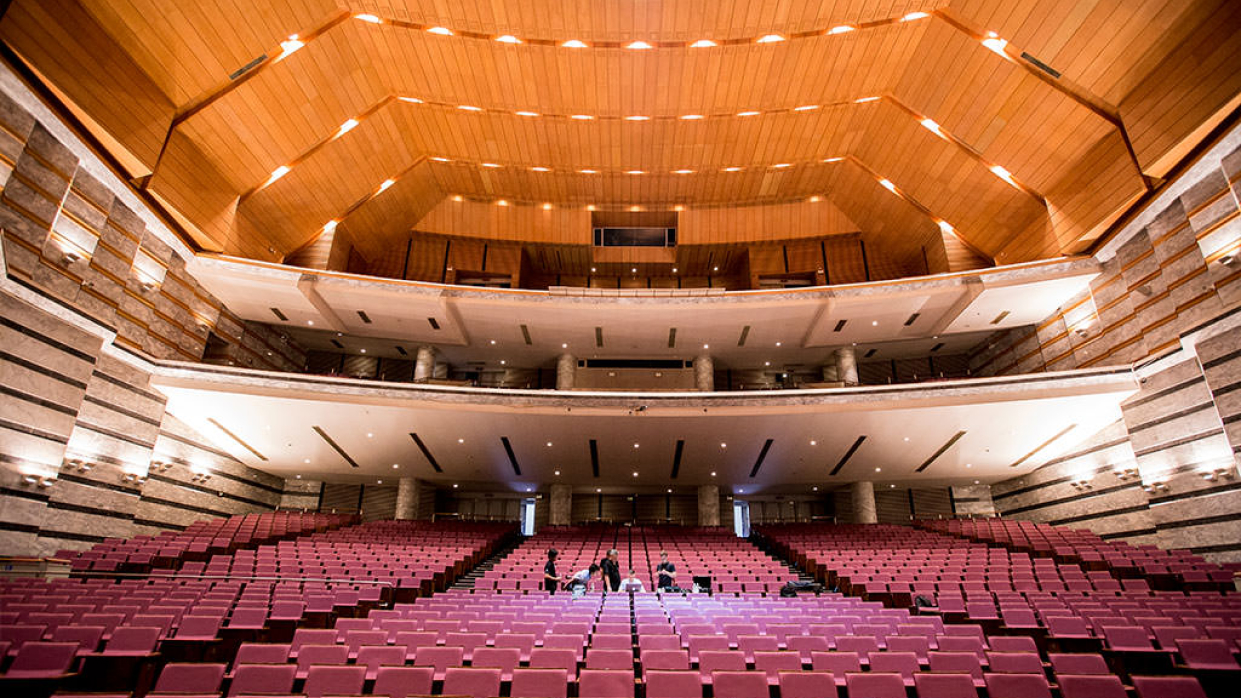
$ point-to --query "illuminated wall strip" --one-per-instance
(638, 118)
(573, 43)
(626, 171)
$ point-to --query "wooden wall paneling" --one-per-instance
(762, 222)
(465, 255)
(519, 223)
(844, 261)
(385, 221)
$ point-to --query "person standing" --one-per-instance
(551, 580)
(667, 572)
(611, 570)
(582, 582)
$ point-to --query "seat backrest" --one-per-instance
(836, 663)
(439, 657)
(710, 661)
(609, 659)
(321, 654)
(658, 642)
(875, 685)
(1078, 664)
(261, 653)
(772, 663)
(1168, 687)
(665, 660)
(1126, 637)
(190, 678)
(903, 663)
(1206, 653)
(87, 636)
(373, 656)
(129, 639)
(610, 642)
(1014, 663)
(1012, 643)
(605, 683)
(739, 684)
(864, 645)
(311, 636)
(956, 663)
(1031, 685)
(807, 684)
(326, 680)
(45, 658)
(476, 682)
(253, 679)
(673, 684)
(538, 683)
(1092, 686)
(503, 658)
(400, 682)
(945, 685)
(551, 658)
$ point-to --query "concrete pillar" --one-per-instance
(407, 498)
(424, 364)
(830, 373)
(561, 506)
(708, 505)
(846, 366)
(566, 372)
(864, 511)
(704, 374)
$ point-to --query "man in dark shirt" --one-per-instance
(667, 572)
(551, 580)
(611, 570)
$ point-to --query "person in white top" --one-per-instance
(632, 583)
(583, 581)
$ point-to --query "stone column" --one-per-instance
(407, 498)
(708, 505)
(830, 372)
(566, 372)
(846, 366)
(561, 506)
(424, 364)
(704, 375)
(864, 503)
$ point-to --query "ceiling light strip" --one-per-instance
(628, 171)
(676, 459)
(1043, 445)
(642, 44)
(762, 455)
(848, 454)
(236, 438)
(512, 457)
(936, 128)
(594, 458)
(426, 452)
(335, 446)
(942, 450)
(632, 118)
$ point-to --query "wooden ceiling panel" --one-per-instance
(189, 48)
(627, 20)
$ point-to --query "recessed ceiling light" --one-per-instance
(502, 362)
(635, 473)
(887, 184)
(310, 322)
(930, 125)
(557, 472)
(638, 45)
(878, 470)
(469, 107)
(491, 165)
(347, 126)
(588, 171)
(564, 345)
(363, 351)
(976, 482)
(396, 466)
(816, 489)
(906, 438)
(458, 198)
(712, 473)
(379, 482)
(598, 489)
(634, 172)
(874, 323)
(1003, 174)
(454, 485)
(692, 117)
(493, 341)
(946, 227)
(780, 165)
(549, 444)
(748, 113)
(306, 460)
(832, 159)
(914, 15)
(766, 363)
(278, 173)
(706, 346)
(547, 207)
(383, 186)
(779, 343)
(574, 43)
(841, 29)
(460, 441)
(864, 100)
(723, 445)
(734, 168)
(637, 117)
(411, 100)
(501, 202)
(440, 159)
(892, 486)
(299, 477)
(508, 39)
(368, 18)
(702, 43)
(633, 270)
(715, 268)
(682, 172)
(806, 107)
(441, 31)
(995, 43)
(769, 39)
(592, 269)
(636, 445)
(969, 465)
(814, 199)
(582, 117)
(669, 490)
(814, 443)
(674, 270)
(540, 168)
(330, 226)
(527, 113)
(590, 207)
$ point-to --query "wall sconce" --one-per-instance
(79, 465)
(162, 465)
(71, 251)
(136, 478)
(1081, 482)
(40, 481)
(1158, 485)
(1127, 473)
(1227, 472)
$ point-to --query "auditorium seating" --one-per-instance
(486, 642)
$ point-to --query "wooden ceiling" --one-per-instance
(1138, 82)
